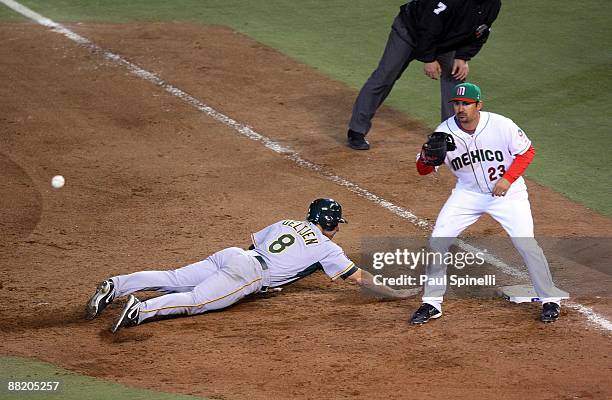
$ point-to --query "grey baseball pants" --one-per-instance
(215, 283)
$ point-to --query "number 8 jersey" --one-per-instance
(295, 249)
(482, 157)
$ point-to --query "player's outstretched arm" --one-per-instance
(366, 281)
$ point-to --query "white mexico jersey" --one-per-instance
(295, 249)
(481, 158)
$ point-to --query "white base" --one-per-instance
(521, 294)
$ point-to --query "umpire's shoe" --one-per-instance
(424, 314)
(129, 315)
(357, 140)
(102, 297)
(550, 312)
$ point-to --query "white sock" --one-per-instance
(434, 301)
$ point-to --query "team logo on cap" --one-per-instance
(461, 91)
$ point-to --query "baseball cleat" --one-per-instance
(424, 314)
(129, 315)
(102, 297)
(550, 312)
(357, 141)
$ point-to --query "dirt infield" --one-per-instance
(154, 184)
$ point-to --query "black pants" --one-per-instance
(397, 56)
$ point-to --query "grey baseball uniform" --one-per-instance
(283, 253)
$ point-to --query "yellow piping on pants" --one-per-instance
(202, 304)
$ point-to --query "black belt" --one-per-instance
(264, 266)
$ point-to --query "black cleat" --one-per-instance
(357, 141)
(424, 314)
(102, 297)
(129, 315)
(550, 312)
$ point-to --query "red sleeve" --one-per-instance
(519, 165)
(423, 168)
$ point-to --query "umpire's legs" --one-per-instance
(394, 61)
(447, 83)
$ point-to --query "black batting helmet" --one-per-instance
(325, 212)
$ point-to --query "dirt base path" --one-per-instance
(154, 184)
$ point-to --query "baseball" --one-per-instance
(57, 181)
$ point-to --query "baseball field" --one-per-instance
(183, 126)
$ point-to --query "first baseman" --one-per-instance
(281, 253)
(488, 153)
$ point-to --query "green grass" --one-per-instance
(8, 15)
(547, 66)
(72, 386)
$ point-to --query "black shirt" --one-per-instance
(440, 26)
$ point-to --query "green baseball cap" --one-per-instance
(466, 92)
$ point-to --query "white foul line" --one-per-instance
(245, 130)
